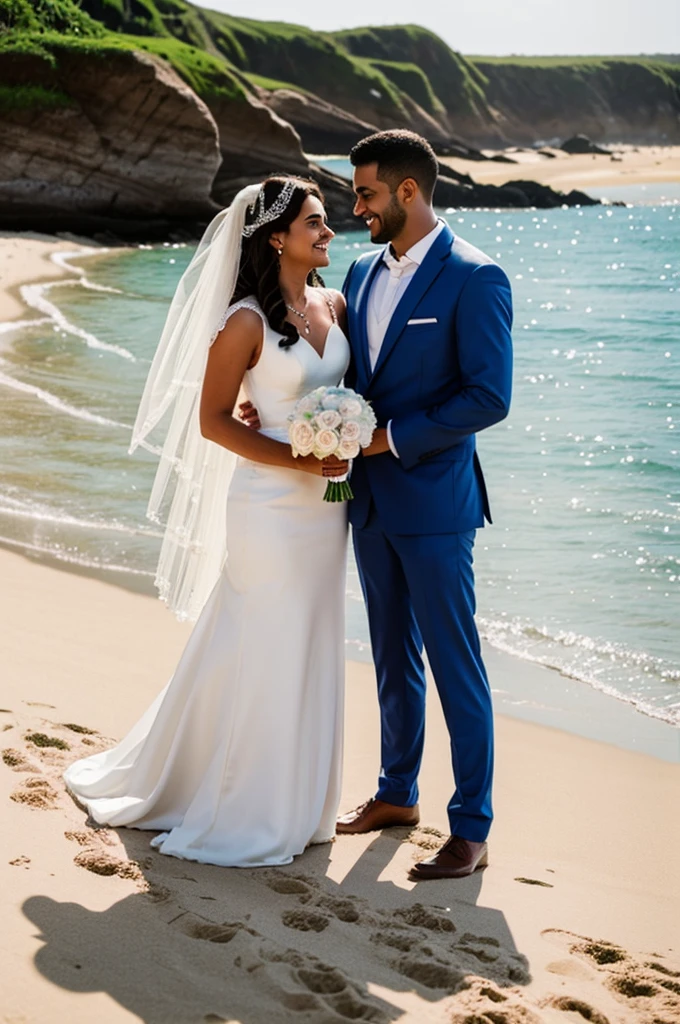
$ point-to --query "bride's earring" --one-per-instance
(279, 254)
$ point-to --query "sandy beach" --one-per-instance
(575, 919)
(27, 257)
(627, 165)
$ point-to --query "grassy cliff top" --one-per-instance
(456, 83)
(48, 30)
(368, 71)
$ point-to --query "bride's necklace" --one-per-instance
(303, 316)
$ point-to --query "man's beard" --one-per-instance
(392, 221)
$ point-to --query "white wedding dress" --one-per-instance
(238, 761)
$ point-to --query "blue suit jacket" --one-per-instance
(439, 383)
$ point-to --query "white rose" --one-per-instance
(329, 418)
(325, 443)
(302, 437)
(350, 407)
(306, 404)
(351, 431)
(330, 402)
(366, 436)
(348, 449)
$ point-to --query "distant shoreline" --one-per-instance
(627, 165)
(624, 165)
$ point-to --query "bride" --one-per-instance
(237, 762)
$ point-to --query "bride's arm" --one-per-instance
(235, 350)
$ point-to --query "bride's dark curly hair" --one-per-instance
(259, 267)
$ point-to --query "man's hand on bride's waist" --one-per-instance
(249, 415)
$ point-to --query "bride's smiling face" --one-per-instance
(307, 238)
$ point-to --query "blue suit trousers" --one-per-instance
(419, 589)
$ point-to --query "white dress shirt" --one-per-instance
(389, 284)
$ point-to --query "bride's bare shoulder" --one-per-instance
(244, 317)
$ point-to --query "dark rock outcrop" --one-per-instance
(254, 142)
(128, 140)
(322, 127)
(582, 144)
(513, 194)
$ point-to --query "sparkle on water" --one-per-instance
(581, 570)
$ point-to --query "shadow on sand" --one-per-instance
(269, 945)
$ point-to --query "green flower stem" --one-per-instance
(338, 491)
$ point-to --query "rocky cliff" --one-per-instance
(609, 100)
(140, 114)
(123, 137)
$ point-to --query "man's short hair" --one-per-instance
(399, 154)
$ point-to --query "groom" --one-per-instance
(429, 321)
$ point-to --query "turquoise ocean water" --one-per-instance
(581, 570)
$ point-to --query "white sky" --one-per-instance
(494, 26)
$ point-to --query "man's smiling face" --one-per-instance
(379, 208)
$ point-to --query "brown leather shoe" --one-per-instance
(457, 858)
(374, 815)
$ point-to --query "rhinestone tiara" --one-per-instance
(274, 211)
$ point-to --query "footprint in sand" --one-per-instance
(305, 920)
(425, 837)
(501, 964)
(344, 909)
(430, 973)
(36, 793)
(207, 931)
(646, 986)
(43, 741)
(101, 863)
(287, 885)
(306, 890)
(82, 838)
(482, 1003)
(82, 729)
(571, 1006)
(303, 984)
(430, 918)
(15, 760)
(101, 833)
(404, 941)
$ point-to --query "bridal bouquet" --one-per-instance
(332, 421)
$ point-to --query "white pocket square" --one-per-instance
(423, 320)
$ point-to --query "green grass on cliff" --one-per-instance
(46, 15)
(300, 57)
(272, 84)
(413, 81)
(207, 76)
(366, 71)
(559, 84)
(31, 97)
(664, 68)
(456, 83)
